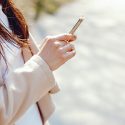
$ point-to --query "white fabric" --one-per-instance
(14, 59)
(3, 18)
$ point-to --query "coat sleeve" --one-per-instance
(35, 49)
(25, 86)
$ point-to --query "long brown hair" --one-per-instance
(17, 23)
(20, 34)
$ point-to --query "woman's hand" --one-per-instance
(56, 51)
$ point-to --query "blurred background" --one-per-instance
(93, 83)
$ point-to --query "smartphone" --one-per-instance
(75, 27)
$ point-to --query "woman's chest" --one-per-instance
(15, 60)
(12, 58)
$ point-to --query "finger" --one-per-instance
(59, 44)
(67, 48)
(69, 55)
(65, 37)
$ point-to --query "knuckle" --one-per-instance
(60, 50)
(48, 38)
(57, 44)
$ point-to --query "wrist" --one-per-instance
(45, 60)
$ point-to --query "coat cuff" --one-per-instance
(44, 66)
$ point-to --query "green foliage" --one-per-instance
(47, 6)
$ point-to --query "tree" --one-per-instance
(34, 8)
(48, 6)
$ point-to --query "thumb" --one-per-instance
(65, 37)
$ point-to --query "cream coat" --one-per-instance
(33, 82)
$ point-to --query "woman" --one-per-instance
(26, 78)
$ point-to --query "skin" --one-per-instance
(56, 51)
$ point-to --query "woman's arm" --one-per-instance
(24, 86)
(35, 48)
(29, 83)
